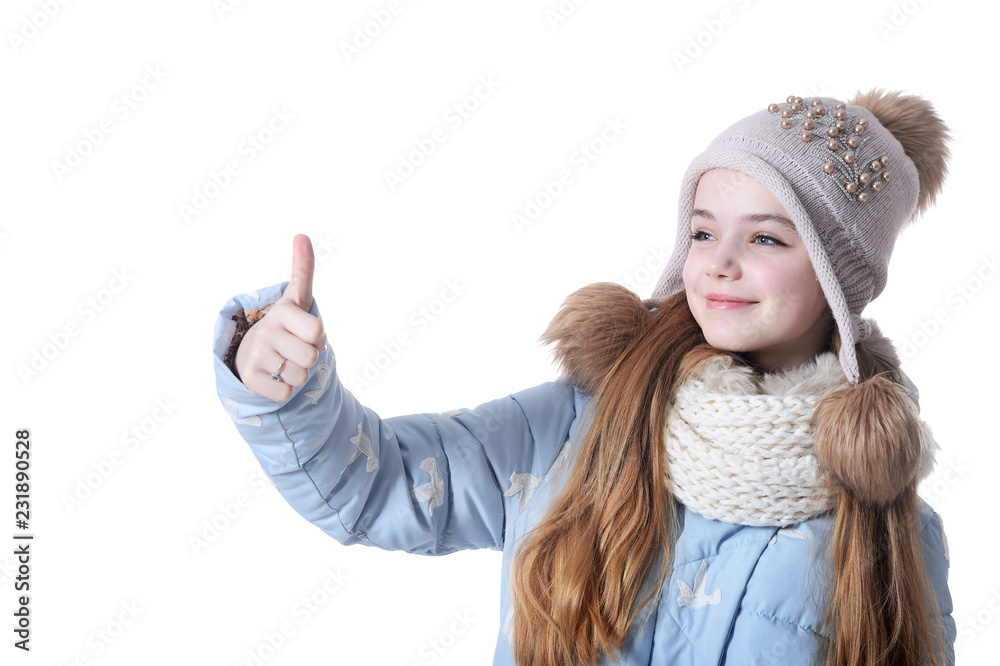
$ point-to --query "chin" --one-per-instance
(731, 343)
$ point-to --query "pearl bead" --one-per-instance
(886, 176)
(799, 100)
(786, 123)
(875, 166)
(817, 102)
(829, 167)
(841, 125)
(811, 113)
(796, 106)
(859, 129)
(840, 106)
(806, 136)
(863, 122)
(852, 141)
(849, 158)
(790, 99)
(808, 124)
(832, 131)
(850, 187)
(840, 114)
(832, 144)
(821, 110)
(862, 197)
(884, 160)
(773, 108)
(877, 185)
(786, 113)
(865, 178)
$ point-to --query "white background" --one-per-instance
(63, 235)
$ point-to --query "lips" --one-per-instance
(726, 302)
(727, 298)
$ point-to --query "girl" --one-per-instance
(726, 472)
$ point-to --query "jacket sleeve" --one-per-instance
(423, 483)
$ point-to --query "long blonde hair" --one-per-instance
(578, 578)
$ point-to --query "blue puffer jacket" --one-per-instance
(481, 478)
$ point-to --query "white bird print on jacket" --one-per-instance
(364, 445)
(433, 490)
(697, 598)
(232, 408)
(325, 376)
(525, 484)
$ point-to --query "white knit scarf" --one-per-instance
(740, 447)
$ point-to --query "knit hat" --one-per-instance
(850, 175)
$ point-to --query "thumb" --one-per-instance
(299, 289)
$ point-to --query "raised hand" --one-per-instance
(286, 334)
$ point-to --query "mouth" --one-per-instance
(726, 302)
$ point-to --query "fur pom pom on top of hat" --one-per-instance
(592, 329)
(918, 128)
(868, 436)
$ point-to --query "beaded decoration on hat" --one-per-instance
(859, 176)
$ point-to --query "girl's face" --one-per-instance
(748, 277)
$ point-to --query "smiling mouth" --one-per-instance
(729, 300)
(726, 304)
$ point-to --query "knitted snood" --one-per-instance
(740, 448)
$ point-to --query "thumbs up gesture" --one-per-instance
(288, 339)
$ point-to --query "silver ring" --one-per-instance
(276, 375)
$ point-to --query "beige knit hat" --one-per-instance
(850, 175)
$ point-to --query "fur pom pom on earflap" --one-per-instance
(592, 329)
(868, 436)
(914, 123)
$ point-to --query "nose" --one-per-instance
(724, 260)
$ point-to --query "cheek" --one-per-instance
(690, 270)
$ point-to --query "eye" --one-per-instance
(699, 235)
(767, 240)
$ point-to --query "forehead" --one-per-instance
(727, 191)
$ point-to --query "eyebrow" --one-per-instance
(751, 217)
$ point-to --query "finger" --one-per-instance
(296, 352)
(291, 372)
(301, 324)
(299, 289)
